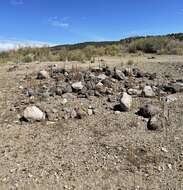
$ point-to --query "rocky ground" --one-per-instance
(114, 127)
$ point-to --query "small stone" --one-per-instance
(169, 166)
(90, 112)
(117, 112)
(90, 85)
(173, 87)
(111, 99)
(64, 101)
(30, 92)
(51, 114)
(21, 87)
(138, 73)
(126, 102)
(80, 114)
(73, 114)
(101, 77)
(100, 88)
(170, 98)
(134, 92)
(119, 75)
(154, 123)
(109, 72)
(69, 96)
(163, 149)
(148, 92)
(33, 113)
(58, 91)
(99, 85)
(77, 86)
(64, 87)
(42, 75)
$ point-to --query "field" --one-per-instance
(106, 149)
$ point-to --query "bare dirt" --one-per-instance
(101, 151)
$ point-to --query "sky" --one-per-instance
(51, 22)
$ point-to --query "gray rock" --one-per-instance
(91, 92)
(138, 73)
(90, 85)
(117, 112)
(33, 113)
(154, 123)
(108, 83)
(173, 87)
(109, 72)
(148, 92)
(171, 98)
(77, 86)
(58, 91)
(99, 85)
(65, 87)
(51, 114)
(111, 99)
(30, 92)
(128, 72)
(101, 77)
(100, 88)
(149, 110)
(134, 92)
(42, 75)
(69, 96)
(126, 102)
(90, 112)
(80, 114)
(73, 114)
(119, 75)
(64, 101)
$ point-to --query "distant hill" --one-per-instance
(173, 36)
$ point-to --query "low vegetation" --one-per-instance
(169, 44)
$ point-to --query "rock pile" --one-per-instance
(118, 86)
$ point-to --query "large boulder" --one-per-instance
(33, 113)
(42, 75)
(125, 102)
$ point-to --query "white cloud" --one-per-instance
(17, 2)
(56, 22)
(6, 45)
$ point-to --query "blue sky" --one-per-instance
(71, 21)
